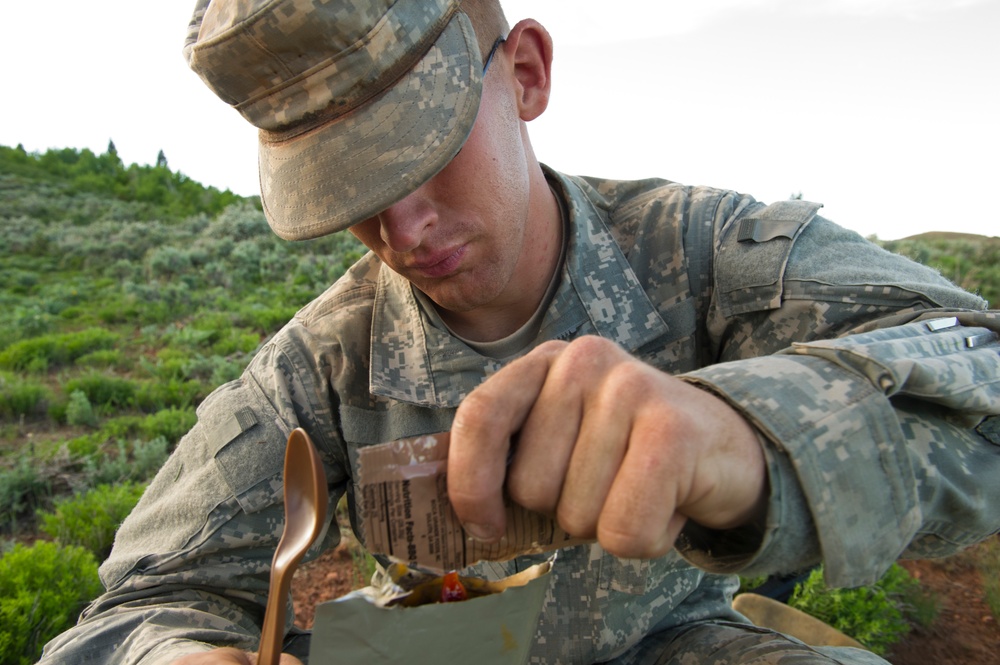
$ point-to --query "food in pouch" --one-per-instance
(402, 619)
(407, 586)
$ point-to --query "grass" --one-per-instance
(987, 557)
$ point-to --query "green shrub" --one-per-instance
(88, 445)
(105, 469)
(171, 363)
(158, 303)
(168, 262)
(79, 343)
(157, 395)
(57, 409)
(30, 354)
(171, 424)
(79, 410)
(121, 427)
(118, 313)
(139, 464)
(236, 341)
(873, 615)
(91, 519)
(102, 390)
(148, 457)
(112, 429)
(19, 281)
(39, 353)
(72, 313)
(213, 320)
(29, 320)
(21, 397)
(190, 337)
(22, 488)
(42, 590)
(266, 319)
(102, 358)
(196, 366)
(228, 369)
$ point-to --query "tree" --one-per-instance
(161, 160)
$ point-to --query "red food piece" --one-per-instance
(452, 589)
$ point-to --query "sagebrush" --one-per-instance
(43, 588)
(91, 518)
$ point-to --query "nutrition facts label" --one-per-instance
(405, 512)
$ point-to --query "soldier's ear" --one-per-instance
(529, 48)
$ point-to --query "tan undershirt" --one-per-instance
(513, 344)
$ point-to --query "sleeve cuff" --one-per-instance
(815, 416)
(784, 542)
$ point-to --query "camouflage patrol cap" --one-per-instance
(358, 102)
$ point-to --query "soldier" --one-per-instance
(702, 384)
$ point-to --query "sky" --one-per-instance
(885, 111)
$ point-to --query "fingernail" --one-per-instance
(480, 532)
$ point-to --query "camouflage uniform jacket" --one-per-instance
(871, 438)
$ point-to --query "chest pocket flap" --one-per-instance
(753, 254)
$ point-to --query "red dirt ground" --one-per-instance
(328, 577)
(964, 633)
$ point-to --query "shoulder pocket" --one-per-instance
(250, 440)
(753, 254)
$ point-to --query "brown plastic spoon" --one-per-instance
(305, 513)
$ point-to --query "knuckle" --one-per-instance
(532, 495)
(620, 387)
(576, 522)
(477, 415)
(473, 409)
(589, 348)
(629, 543)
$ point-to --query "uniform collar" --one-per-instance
(598, 294)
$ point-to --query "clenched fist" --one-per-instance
(613, 448)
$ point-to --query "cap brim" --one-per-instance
(351, 168)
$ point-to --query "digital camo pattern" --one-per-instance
(357, 164)
(358, 101)
(733, 643)
(279, 63)
(867, 435)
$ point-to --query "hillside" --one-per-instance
(969, 260)
(933, 236)
(128, 294)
